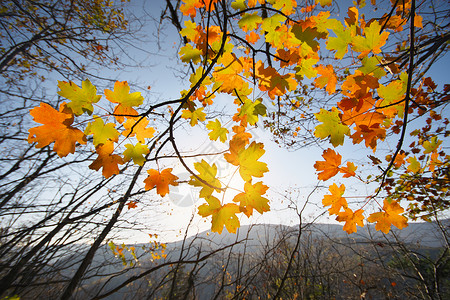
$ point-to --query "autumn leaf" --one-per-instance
(221, 215)
(305, 67)
(125, 101)
(249, 22)
(208, 174)
(81, 98)
(351, 219)
(136, 152)
(372, 40)
(285, 6)
(341, 42)
(56, 128)
(414, 165)
(249, 112)
(431, 145)
(249, 164)
(335, 199)
(131, 204)
(252, 37)
(329, 167)
(252, 198)
(160, 180)
(189, 30)
(389, 216)
(324, 3)
(331, 126)
(189, 7)
(195, 115)
(217, 131)
(188, 53)
(138, 129)
(349, 170)
(327, 78)
(102, 132)
(107, 160)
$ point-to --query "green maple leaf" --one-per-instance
(252, 110)
(252, 198)
(431, 145)
(323, 23)
(217, 131)
(370, 65)
(271, 23)
(208, 174)
(249, 22)
(331, 126)
(136, 152)
(307, 36)
(239, 5)
(81, 98)
(249, 164)
(195, 115)
(305, 68)
(324, 3)
(188, 53)
(341, 41)
(221, 215)
(102, 132)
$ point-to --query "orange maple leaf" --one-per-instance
(351, 219)
(389, 216)
(106, 160)
(329, 167)
(131, 204)
(349, 170)
(160, 180)
(335, 199)
(56, 128)
(140, 129)
(327, 78)
(252, 37)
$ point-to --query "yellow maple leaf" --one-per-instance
(208, 174)
(248, 161)
(217, 131)
(195, 115)
(252, 198)
(221, 215)
(124, 99)
(81, 98)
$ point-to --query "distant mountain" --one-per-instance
(249, 239)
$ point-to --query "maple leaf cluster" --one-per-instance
(367, 103)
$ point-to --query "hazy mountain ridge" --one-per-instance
(249, 239)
